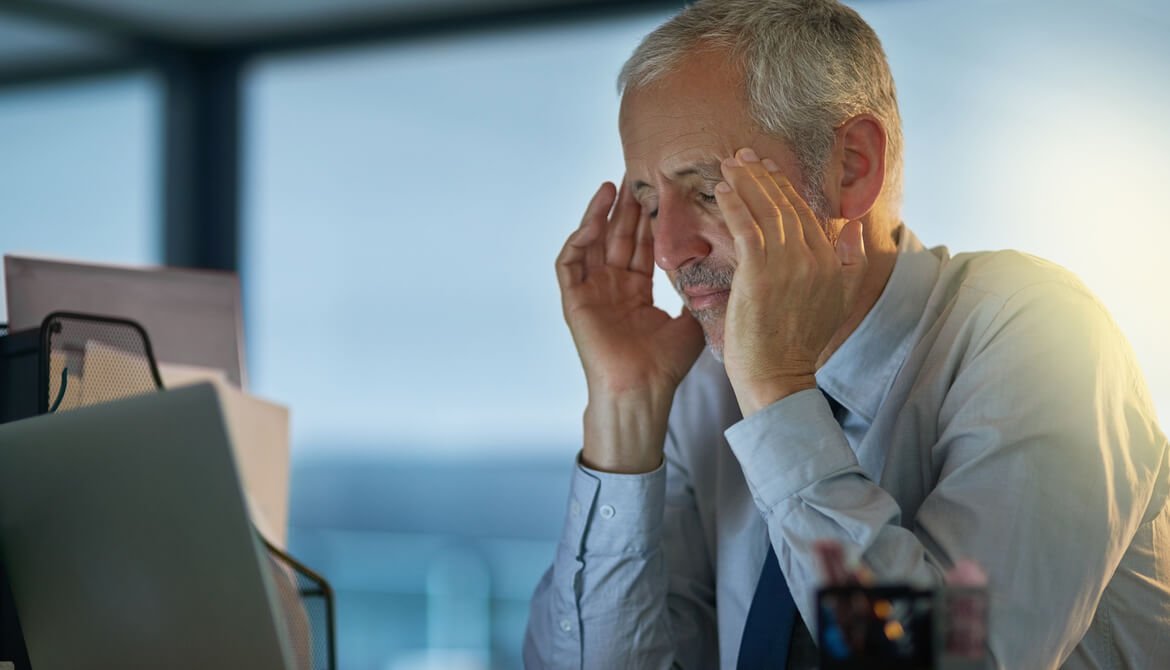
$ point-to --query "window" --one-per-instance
(406, 204)
(78, 170)
(1033, 126)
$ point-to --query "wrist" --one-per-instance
(625, 433)
(759, 393)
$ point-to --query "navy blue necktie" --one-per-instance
(769, 622)
(768, 630)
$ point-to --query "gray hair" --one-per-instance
(808, 65)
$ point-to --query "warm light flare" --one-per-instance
(894, 630)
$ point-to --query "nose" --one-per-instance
(678, 237)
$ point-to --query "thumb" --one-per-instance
(851, 252)
(850, 247)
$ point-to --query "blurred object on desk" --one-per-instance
(194, 317)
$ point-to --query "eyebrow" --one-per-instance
(707, 170)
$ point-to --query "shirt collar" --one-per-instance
(859, 374)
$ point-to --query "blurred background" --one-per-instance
(392, 179)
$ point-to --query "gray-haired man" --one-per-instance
(914, 407)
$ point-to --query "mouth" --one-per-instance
(699, 298)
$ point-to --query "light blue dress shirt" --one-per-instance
(992, 410)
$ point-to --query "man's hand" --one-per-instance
(633, 353)
(792, 289)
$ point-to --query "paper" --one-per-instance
(192, 317)
(112, 374)
(259, 433)
(58, 363)
(175, 375)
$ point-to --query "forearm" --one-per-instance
(1033, 521)
(604, 600)
(632, 581)
(809, 486)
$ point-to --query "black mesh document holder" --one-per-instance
(88, 359)
(111, 358)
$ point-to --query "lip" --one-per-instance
(705, 297)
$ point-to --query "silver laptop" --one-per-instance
(127, 542)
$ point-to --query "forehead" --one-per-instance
(698, 112)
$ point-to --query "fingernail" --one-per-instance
(770, 165)
(723, 187)
(731, 162)
(748, 155)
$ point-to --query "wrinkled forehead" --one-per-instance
(693, 114)
(661, 139)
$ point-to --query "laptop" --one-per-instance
(127, 542)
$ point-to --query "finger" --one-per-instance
(791, 226)
(850, 252)
(582, 249)
(776, 219)
(850, 245)
(748, 239)
(598, 226)
(764, 176)
(814, 232)
(623, 225)
(643, 258)
(571, 262)
(765, 213)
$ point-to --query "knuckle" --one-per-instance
(744, 235)
(748, 242)
(829, 272)
(805, 265)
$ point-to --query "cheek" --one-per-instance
(722, 244)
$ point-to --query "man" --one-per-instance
(916, 408)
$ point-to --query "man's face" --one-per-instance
(675, 133)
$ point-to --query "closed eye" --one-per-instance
(706, 198)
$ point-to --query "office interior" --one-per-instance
(392, 180)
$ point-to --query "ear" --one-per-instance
(861, 164)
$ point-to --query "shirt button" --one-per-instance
(575, 508)
(566, 626)
(606, 512)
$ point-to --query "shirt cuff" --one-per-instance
(789, 445)
(613, 513)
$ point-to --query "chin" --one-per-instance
(712, 325)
